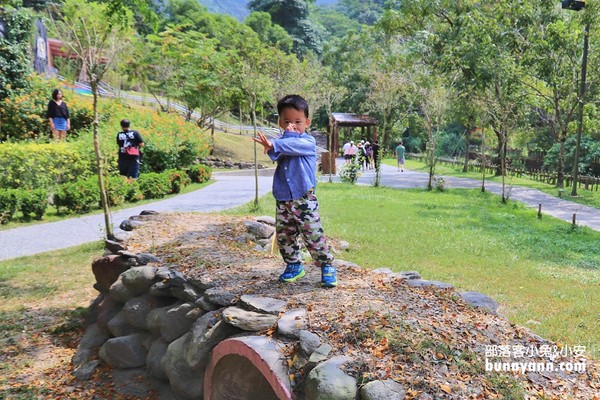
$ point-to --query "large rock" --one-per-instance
(266, 305)
(107, 269)
(185, 381)
(119, 292)
(125, 351)
(107, 309)
(382, 390)
(177, 322)
(205, 334)
(139, 279)
(477, 299)
(258, 230)
(327, 381)
(118, 326)
(136, 310)
(248, 320)
(292, 322)
(157, 351)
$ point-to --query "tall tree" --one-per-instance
(96, 36)
(294, 17)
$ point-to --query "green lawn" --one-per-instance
(545, 275)
(587, 197)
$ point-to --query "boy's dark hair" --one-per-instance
(293, 101)
(55, 93)
(125, 123)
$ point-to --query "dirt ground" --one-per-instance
(429, 340)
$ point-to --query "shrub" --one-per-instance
(178, 179)
(157, 158)
(349, 173)
(79, 196)
(153, 185)
(117, 188)
(134, 193)
(9, 202)
(199, 173)
(42, 165)
(440, 184)
(33, 202)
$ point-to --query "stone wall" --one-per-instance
(185, 338)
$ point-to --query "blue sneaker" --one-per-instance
(292, 273)
(328, 276)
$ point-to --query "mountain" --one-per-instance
(239, 8)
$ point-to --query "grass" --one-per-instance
(238, 147)
(587, 197)
(544, 273)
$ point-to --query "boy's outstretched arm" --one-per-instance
(262, 140)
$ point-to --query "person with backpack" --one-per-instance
(129, 142)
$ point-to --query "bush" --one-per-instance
(349, 173)
(42, 166)
(117, 188)
(33, 202)
(79, 196)
(153, 185)
(199, 173)
(179, 179)
(9, 202)
(440, 184)
(157, 158)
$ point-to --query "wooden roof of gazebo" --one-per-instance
(353, 120)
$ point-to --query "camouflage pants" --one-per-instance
(300, 218)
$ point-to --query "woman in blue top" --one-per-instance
(58, 115)
(294, 183)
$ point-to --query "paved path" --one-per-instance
(229, 190)
(232, 189)
(559, 208)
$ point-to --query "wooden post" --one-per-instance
(574, 220)
(540, 210)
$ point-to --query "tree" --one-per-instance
(96, 36)
(294, 17)
(14, 45)
(269, 33)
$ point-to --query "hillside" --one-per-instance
(239, 9)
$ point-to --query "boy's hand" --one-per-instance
(262, 140)
(292, 128)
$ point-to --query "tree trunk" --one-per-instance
(101, 184)
(253, 109)
(560, 180)
(212, 136)
(467, 143)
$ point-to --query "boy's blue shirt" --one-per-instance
(296, 172)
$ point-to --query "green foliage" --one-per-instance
(588, 155)
(79, 197)
(154, 185)
(117, 188)
(32, 165)
(440, 184)
(14, 58)
(159, 158)
(349, 173)
(178, 179)
(9, 202)
(269, 33)
(33, 202)
(199, 173)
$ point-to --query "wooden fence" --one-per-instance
(585, 182)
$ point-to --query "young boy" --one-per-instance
(294, 183)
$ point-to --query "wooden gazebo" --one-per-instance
(352, 120)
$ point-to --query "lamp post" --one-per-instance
(578, 5)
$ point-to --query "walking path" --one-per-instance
(232, 189)
(554, 206)
(229, 190)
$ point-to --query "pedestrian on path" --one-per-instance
(294, 183)
(400, 150)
